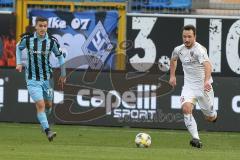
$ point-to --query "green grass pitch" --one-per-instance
(26, 142)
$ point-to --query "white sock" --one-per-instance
(191, 125)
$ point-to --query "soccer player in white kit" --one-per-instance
(197, 86)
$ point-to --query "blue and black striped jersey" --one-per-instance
(39, 49)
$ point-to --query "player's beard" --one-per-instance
(188, 44)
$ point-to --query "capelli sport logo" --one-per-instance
(120, 95)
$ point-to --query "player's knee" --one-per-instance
(187, 109)
(48, 104)
(210, 119)
(40, 106)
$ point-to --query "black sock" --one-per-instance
(47, 130)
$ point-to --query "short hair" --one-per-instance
(41, 19)
(190, 27)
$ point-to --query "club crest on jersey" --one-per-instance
(97, 47)
(191, 53)
(182, 99)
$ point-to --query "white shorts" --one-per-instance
(203, 98)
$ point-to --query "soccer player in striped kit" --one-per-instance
(38, 71)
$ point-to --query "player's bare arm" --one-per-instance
(173, 66)
(208, 70)
(62, 78)
(62, 81)
(19, 46)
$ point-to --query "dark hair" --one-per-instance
(41, 19)
(190, 27)
(29, 30)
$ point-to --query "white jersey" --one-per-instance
(192, 62)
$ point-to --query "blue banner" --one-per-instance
(89, 34)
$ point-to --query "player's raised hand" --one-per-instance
(61, 82)
(173, 81)
(19, 67)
